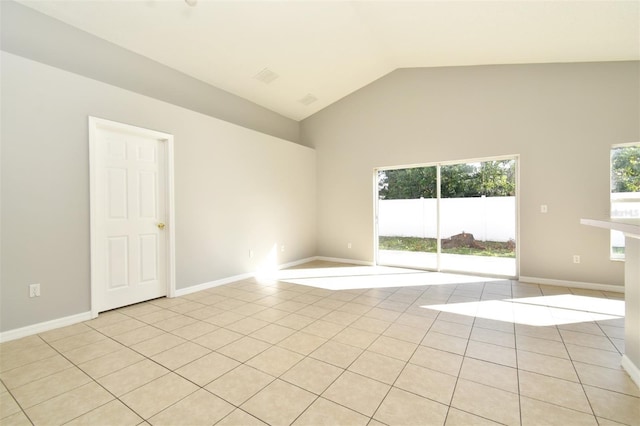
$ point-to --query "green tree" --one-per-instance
(625, 169)
(405, 184)
(459, 180)
(497, 178)
(489, 178)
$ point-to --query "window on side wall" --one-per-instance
(625, 190)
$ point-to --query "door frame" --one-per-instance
(95, 124)
(438, 164)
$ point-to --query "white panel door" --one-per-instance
(129, 238)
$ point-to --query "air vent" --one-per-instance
(308, 99)
(266, 76)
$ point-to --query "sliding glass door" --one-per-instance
(454, 216)
(408, 217)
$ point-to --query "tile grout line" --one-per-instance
(318, 396)
(242, 363)
(354, 321)
(170, 371)
(363, 315)
(145, 358)
(403, 368)
(391, 301)
(466, 347)
(515, 343)
(22, 410)
(575, 370)
(74, 365)
(104, 388)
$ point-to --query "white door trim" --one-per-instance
(99, 123)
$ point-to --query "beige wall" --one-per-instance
(238, 189)
(235, 190)
(560, 118)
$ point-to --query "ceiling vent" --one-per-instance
(308, 99)
(266, 76)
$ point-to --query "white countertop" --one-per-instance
(628, 226)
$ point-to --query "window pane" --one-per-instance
(407, 184)
(470, 228)
(477, 217)
(625, 169)
(407, 217)
(617, 245)
(489, 179)
(625, 191)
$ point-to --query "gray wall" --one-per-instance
(235, 190)
(33, 35)
(560, 118)
(234, 186)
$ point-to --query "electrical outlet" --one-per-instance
(543, 208)
(282, 249)
(34, 290)
(576, 258)
(250, 254)
(348, 245)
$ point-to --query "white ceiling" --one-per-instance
(332, 48)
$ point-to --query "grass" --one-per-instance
(428, 245)
(617, 250)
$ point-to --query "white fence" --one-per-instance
(487, 218)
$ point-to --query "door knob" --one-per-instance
(161, 226)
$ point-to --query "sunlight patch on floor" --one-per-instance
(350, 278)
(580, 303)
(539, 311)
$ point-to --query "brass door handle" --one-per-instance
(161, 226)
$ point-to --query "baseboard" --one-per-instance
(211, 284)
(297, 262)
(234, 278)
(342, 260)
(631, 369)
(30, 330)
(572, 284)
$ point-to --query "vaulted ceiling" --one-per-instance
(316, 52)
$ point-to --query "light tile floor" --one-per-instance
(251, 354)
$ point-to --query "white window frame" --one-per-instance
(619, 198)
(438, 165)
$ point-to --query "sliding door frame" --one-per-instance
(438, 165)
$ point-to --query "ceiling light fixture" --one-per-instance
(191, 3)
